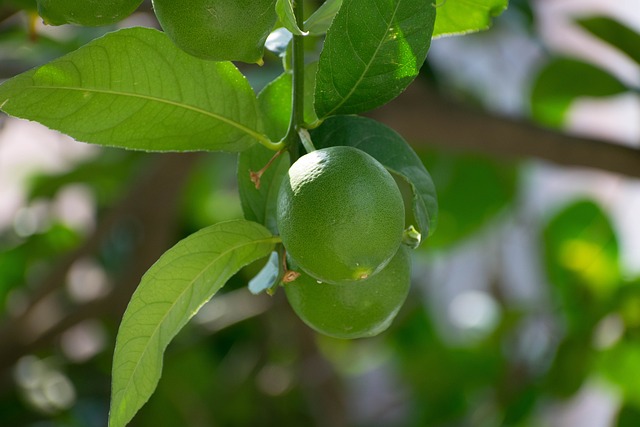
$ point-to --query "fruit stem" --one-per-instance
(297, 95)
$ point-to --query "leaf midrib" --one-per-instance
(368, 65)
(271, 239)
(177, 104)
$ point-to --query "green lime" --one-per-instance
(219, 30)
(340, 214)
(353, 309)
(89, 13)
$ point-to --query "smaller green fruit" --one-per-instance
(89, 13)
(353, 309)
(340, 214)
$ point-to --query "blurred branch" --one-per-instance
(152, 201)
(426, 118)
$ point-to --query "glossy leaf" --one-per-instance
(466, 16)
(134, 89)
(320, 21)
(614, 33)
(373, 50)
(556, 87)
(170, 293)
(287, 16)
(390, 149)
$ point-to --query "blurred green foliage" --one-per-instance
(269, 370)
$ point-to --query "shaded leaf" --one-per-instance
(320, 21)
(135, 89)
(170, 293)
(275, 102)
(373, 50)
(390, 149)
(466, 16)
(614, 33)
(462, 212)
(556, 87)
(259, 204)
(287, 16)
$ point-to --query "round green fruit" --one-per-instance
(89, 13)
(340, 214)
(219, 30)
(353, 309)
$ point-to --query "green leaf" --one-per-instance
(275, 102)
(614, 33)
(556, 87)
(619, 365)
(472, 191)
(582, 261)
(135, 89)
(628, 415)
(287, 16)
(170, 293)
(373, 50)
(466, 16)
(319, 22)
(259, 204)
(390, 149)
(267, 278)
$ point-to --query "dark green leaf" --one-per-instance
(557, 86)
(170, 293)
(373, 50)
(628, 416)
(134, 89)
(614, 33)
(465, 16)
(319, 22)
(390, 149)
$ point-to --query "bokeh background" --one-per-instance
(525, 304)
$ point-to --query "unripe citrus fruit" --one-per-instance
(90, 13)
(353, 309)
(340, 214)
(219, 30)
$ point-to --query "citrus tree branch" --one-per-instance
(428, 119)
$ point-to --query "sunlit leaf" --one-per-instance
(170, 293)
(135, 89)
(373, 50)
(465, 16)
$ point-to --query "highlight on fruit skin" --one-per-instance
(353, 309)
(340, 214)
(88, 13)
(218, 30)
